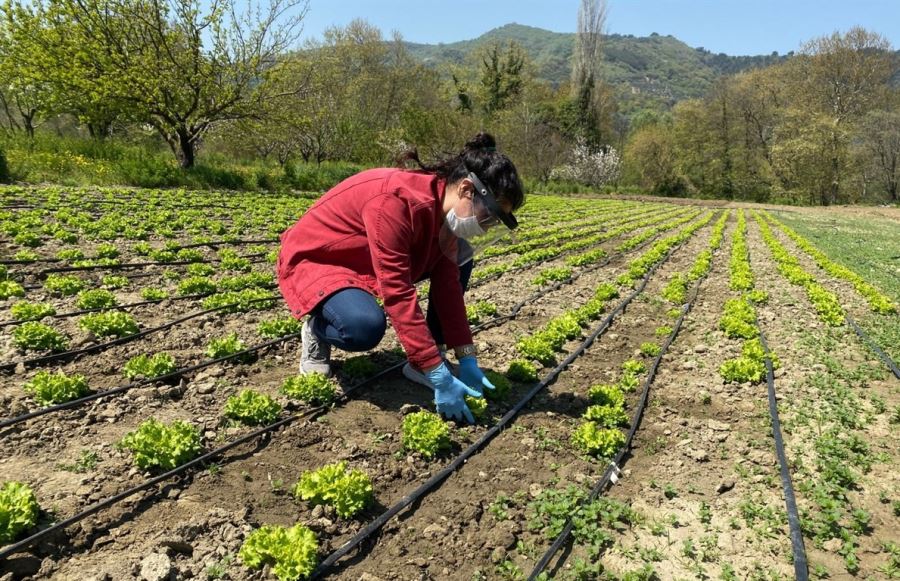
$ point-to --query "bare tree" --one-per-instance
(588, 43)
(587, 93)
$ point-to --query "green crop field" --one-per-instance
(148, 354)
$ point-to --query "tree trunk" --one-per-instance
(727, 169)
(186, 149)
(13, 126)
(28, 122)
(99, 130)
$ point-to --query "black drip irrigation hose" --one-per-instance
(874, 346)
(6, 367)
(87, 201)
(801, 567)
(240, 242)
(125, 265)
(127, 306)
(612, 471)
(132, 276)
(211, 244)
(439, 477)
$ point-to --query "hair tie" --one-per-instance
(489, 148)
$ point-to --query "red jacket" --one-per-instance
(378, 231)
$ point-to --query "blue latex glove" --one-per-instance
(449, 393)
(472, 375)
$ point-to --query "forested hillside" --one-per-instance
(645, 70)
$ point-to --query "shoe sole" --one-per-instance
(416, 377)
(323, 369)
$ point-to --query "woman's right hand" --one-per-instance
(449, 394)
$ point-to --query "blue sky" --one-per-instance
(735, 27)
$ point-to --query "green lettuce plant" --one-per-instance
(35, 336)
(153, 294)
(242, 301)
(566, 326)
(232, 262)
(501, 386)
(252, 408)
(676, 291)
(553, 274)
(95, 299)
(606, 416)
(650, 349)
(29, 239)
(597, 441)
(48, 388)
(189, 255)
(149, 366)
(10, 288)
(538, 348)
(225, 347)
(634, 367)
(359, 367)
(479, 311)
(739, 319)
(245, 281)
(291, 552)
(109, 324)
(196, 285)
(743, 369)
(115, 281)
(64, 285)
(157, 445)
(26, 255)
(347, 491)
(200, 269)
(522, 371)
(18, 510)
(311, 388)
(106, 250)
(25, 311)
(607, 395)
(426, 433)
(750, 366)
(477, 405)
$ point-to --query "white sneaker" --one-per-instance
(316, 354)
(414, 375)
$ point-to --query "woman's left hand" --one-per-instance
(472, 375)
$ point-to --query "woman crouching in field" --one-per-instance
(379, 232)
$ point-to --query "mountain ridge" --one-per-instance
(656, 70)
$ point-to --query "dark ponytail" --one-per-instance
(481, 157)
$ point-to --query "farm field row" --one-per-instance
(636, 292)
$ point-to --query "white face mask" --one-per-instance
(465, 228)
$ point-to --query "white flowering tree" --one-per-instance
(590, 167)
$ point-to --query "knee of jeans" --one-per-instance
(366, 329)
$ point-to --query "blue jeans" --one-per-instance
(351, 319)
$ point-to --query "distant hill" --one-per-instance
(655, 71)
